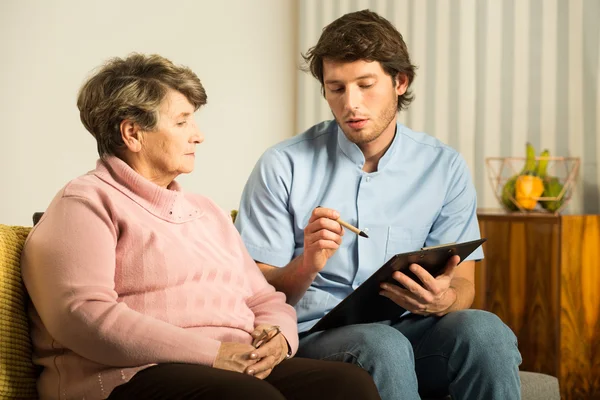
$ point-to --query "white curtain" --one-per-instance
(492, 75)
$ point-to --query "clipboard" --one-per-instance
(366, 305)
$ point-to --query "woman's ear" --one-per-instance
(131, 135)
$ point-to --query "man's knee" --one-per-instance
(481, 326)
(484, 334)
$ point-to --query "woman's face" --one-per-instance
(169, 150)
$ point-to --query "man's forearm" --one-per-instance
(464, 294)
(293, 279)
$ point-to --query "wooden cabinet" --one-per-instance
(541, 276)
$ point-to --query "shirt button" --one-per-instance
(368, 179)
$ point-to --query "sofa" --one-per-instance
(17, 372)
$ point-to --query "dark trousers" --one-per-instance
(296, 378)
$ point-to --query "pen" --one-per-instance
(352, 228)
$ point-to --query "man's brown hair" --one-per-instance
(363, 35)
(132, 89)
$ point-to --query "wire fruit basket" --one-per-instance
(559, 182)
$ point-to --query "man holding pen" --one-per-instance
(403, 189)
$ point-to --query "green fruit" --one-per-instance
(508, 194)
(552, 188)
(542, 167)
(530, 166)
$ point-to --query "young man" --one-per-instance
(406, 190)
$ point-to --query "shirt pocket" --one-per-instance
(402, 239)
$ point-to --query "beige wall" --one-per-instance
(243, 51)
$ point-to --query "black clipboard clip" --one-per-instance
(437, 246)
(425, 249)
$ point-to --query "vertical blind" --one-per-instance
(492, 75)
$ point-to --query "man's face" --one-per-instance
(363, 99)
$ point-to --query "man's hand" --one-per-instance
(322, 237)
(272, 349)
(235, 357)
(435, 297)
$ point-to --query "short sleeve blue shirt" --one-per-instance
(421, 195)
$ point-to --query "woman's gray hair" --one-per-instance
(132, 89)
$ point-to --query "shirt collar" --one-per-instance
(353, 152)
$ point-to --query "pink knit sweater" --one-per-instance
(124, 274)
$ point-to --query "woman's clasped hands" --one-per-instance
(269, 348)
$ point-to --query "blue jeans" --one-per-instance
(469, 354)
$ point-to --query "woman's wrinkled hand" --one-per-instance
(272, 348)
(235, 357)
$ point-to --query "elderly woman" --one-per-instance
(140, 290)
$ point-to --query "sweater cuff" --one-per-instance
(211, 350)
(290, 333)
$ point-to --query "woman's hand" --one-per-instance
(235, 357)
(272, 348)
